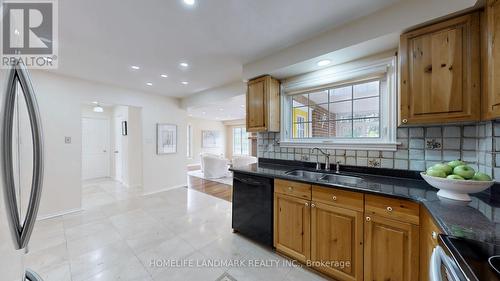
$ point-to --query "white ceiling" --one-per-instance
(100, 40)
(228, 109)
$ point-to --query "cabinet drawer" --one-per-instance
(297, 189)
(398, 209)
(338, 197)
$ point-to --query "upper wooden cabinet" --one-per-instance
(263, 105)
(440, 72)
(491, 60)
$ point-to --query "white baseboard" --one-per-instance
(164, 189)
(40, 218)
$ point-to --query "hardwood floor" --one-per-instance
(219, 190)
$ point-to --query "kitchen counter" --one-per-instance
(477, 220)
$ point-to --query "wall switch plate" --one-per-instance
(67, 139)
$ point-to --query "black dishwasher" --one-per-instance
(253, 207)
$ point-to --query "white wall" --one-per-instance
(199, 125)
(60, 100)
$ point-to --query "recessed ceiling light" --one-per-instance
(164, 75)
(149, 84)
(323, 62)
(135, 67)
(184, 82)
(189, 2)
(183, 64)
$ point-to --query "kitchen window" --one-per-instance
(240, 141)
(351, 108)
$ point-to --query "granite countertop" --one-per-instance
(477, 220)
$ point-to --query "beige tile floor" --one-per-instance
(120, 232)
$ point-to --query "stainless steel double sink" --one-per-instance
(324, 177)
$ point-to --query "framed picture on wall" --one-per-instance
(166, 138)
(211, 139)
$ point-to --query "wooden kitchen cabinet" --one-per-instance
(263, 105)
(490, 31)
(391, 250)
(337, 241)
(351, 236)
(292, 226)
(429, 232)
(440, 72)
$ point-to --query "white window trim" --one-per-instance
(330, 77)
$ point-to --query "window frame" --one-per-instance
(345, 75)
(189, 137)
(242, 132)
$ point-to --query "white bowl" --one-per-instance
(456, 189)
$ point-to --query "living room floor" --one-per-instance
(121, 233)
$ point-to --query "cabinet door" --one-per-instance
(439, 72)
(337, 241)
(491, 109)
(428, 241)
(292, 226)
(391, 250)
(256, 105)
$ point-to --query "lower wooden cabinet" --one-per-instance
(348, 235)
(391, 250)
(292, 226)
(337, 241)
(429, 232)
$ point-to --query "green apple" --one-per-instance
(436, 173)
(454, 177)
(455, 163)
(464, 171)
(443, 167)
(481, 177)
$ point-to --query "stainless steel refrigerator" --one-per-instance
(21, 171)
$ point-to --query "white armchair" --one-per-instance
(243, 160)
(214, 166)
(203, 154)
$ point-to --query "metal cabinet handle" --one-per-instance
(334, 198)
(389, 209)
(404, 121)
(313, 205)
(21, 233)
(368, 219)
(290, 188)
(307, 204)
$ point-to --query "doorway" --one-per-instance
(117, 149)
(95, 148)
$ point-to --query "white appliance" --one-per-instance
(21, 172)
(443, 267)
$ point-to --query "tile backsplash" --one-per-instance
(420, 147)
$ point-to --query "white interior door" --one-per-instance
(95, 148)
(118, 149)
